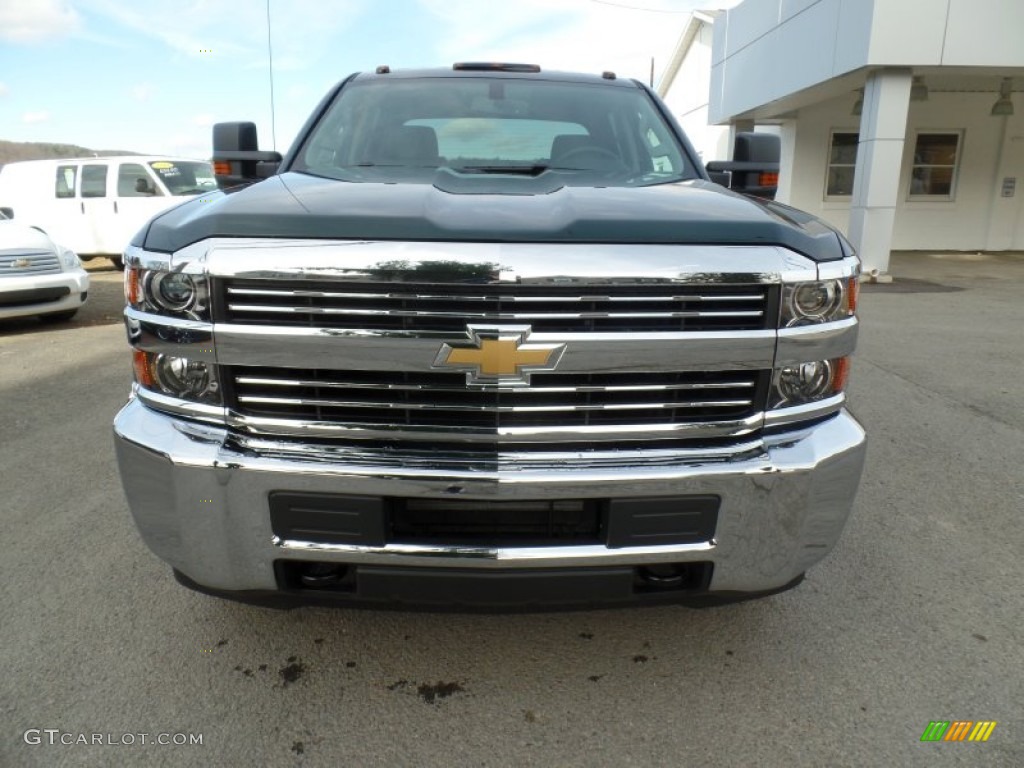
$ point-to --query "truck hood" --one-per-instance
(294, 205)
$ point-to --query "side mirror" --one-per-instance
(719, 177)
(8, 212)
(236, 157)
(754, 168)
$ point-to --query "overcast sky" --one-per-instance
(154, 75)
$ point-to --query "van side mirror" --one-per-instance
(8, 212)
(236, 157)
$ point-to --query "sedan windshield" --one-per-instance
(411, 130)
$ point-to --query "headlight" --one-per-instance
(808, 382)
(174, 291)
(69, 259)
(819, 302)
(179, 377)
(176, 294)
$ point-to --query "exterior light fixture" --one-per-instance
(1003, 105)
(858, 105)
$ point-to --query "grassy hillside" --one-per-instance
(11, 151)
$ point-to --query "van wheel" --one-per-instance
(118, 262)
(58, 317)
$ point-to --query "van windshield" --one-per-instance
(411, 130)
(185, 177)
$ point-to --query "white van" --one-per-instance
(95, 205)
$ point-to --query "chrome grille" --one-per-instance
(407, 402)
(39, 263)
(409, 307)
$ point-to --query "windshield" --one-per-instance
(185, 177)
(411, 130)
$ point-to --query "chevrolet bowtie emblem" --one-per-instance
(22, 263)
(499, 356)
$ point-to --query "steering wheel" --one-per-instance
(592, 158)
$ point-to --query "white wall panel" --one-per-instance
(720, 44)
(790, 8)
(985, 32)
(853, 35)
(909, 32)
(750, 20)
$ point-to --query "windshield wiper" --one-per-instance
(518, 170)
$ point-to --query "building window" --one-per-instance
(842, 162)
(933, 174)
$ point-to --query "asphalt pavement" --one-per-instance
(915, 617)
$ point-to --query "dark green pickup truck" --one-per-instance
(487, 337)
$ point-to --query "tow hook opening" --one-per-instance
(316, 575)
(319, 576)
(663, 577)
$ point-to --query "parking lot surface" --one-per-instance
(915, 617)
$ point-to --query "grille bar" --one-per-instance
(298, 293)
(324, 403)
(488, 316)
(412, 402)
(283, 382)
(624, 307)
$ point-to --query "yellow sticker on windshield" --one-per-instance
(161, 165)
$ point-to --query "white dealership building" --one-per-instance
(901, 121)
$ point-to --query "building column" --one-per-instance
(1005, 219)
(787, 160)
(883, 128)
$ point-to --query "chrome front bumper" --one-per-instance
(203, 507)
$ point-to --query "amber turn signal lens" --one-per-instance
(132, 287)
(840, 373)
(852, 292)
(221, 168)
(142, 362)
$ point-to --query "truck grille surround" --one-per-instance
(413, 408)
